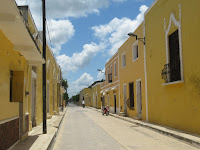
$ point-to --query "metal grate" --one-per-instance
(166, 73)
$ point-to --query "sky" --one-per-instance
(84, 34)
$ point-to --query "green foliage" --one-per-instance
(65, 83)
(76, 98)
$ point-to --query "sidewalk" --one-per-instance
(180, 135)
(37, 140)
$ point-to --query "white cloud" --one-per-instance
(115, 32)
(60, 32)
(101, 75)
(79, 60)
(60, 9)
(84, 81)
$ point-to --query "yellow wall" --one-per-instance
(175, 105)
(133, 71)
(96, 91)
(52, 72)
(11, 61)
(112, 87)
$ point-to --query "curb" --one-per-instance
(51, 144)
(186, 140)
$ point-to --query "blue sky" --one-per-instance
(84, 34)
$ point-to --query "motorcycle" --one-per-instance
(105, 110)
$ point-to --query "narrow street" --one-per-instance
(86, 129)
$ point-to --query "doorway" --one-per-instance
(47, 96)
(125, 97)
(33, 96)
(103, 101)
(33, 103)
(53, 95)
(139, 99)
(96, 102)
(115, 103)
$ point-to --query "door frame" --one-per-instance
(115, 103)
(125, 103)
(34, 102)
(139, 99)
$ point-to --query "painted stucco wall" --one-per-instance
(109, 89)
(11, 60)
(174, 105)
(133, 71)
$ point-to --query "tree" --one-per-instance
(65, 85)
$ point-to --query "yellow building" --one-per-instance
(95, 94)
(172, 63)
(110, 87)
(19, 60)
(53, 83)
(85, 95)
(132, 79)
(21, 105)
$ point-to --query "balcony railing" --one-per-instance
(110, 77)
(166, 73)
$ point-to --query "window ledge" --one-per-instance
(175, 82)
(135, 59)
(123, 67)
(132, 108)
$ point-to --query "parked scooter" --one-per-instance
(105, 110)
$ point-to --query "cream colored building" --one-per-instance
(110, 91)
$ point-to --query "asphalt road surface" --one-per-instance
(86, 129)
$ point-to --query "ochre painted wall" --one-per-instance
(111, 88)
(175, 105)
(133, 71)
(11, 60)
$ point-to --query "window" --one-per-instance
(123, 60)
(16, 86)
(131, 94)
(115, 69)
(135, 51)
(110, 75)
(174, 57)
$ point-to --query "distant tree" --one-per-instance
(76, 98)
(65, 85)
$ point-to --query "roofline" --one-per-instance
(112, 57)
(155, 1)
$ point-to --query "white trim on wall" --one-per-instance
(8, 120)
(112, 60)
(119, 85)
(145, 73)
(177, 23)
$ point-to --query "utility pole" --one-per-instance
(44, 69)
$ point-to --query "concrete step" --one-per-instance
(123, 114)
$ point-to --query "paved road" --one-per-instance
(86, 129)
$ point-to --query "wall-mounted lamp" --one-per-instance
(134, 35)
(100, 70)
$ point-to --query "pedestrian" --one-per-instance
(83, 103)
